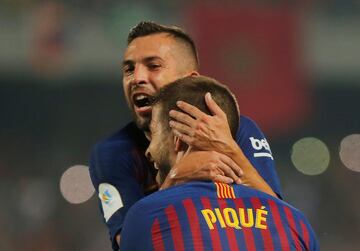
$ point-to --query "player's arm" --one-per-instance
(212, 133)
(113, 178)
(204, 165)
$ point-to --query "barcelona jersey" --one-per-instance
(122, 175)
(215, 216)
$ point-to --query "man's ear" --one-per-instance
(179, 145)
(194, 74)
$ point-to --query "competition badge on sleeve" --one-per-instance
(110, 199)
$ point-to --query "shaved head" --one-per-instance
(186, 44)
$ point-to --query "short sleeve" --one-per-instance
(257, 149)
(114, 178)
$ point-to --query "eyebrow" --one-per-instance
(127, 62)
(146, 60)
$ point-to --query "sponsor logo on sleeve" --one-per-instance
(262, 148)
(110, 200)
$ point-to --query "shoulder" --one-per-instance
(127, 136)
(175, 194)
(253, 193)
(178, 193)
(122, 141)
(120, 149)
(246, 124)
(250, 134)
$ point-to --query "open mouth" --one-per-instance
(142, 100)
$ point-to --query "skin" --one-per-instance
(149, 63)
(166, 151)
(212, 133)
(169, 153)
(161, 150)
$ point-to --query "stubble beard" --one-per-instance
(163, 161)
(163, 172)
(142, 123)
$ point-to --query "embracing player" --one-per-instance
(205, 215)
(155, 56)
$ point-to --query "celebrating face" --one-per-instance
(150, 62)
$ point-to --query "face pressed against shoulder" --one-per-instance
(149, 63)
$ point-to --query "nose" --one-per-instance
(140, 75)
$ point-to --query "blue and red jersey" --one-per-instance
(203, 216)
(122, 175)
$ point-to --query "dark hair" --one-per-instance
(146, 28)
(192, 89)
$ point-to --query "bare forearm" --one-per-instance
(204, 165)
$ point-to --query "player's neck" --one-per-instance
(181, 154)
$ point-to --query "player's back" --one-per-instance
(215, 216)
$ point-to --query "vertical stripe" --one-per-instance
(305, 234)
(229, 230)
(228, 191)
(217, 189)
(214, 234)
(156, 237)
(221, 190)
(225, 191)
(284, 242)
(194, 224)
(232, 193)
(265, 233)
(248, 235)
(294, 233)
(258, 241)
(175, 228)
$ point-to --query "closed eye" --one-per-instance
(154, 66)
(153, 63)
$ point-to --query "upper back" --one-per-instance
(215, 216)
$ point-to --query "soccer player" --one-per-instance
(155, 56)
(201, 215)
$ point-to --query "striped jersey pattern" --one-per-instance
(230, 223)
(201, 216)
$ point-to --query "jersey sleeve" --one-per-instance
(257, 149)
(113, 176)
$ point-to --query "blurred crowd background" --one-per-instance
(294, 66)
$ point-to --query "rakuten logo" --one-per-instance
(259, 145)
